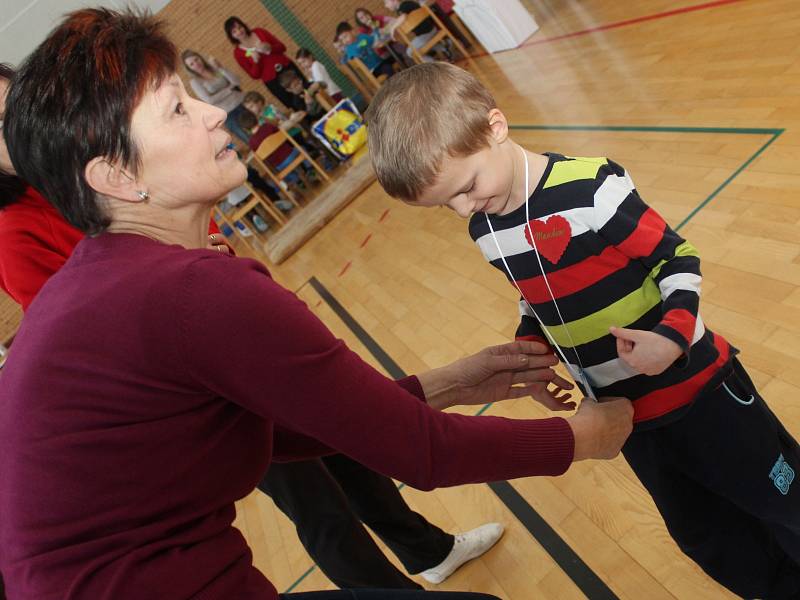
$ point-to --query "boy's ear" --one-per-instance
(498, 125)
(111, 180)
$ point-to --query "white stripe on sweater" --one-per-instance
(680, 281)
(513, 240)
(611, 193)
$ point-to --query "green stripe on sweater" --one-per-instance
(621, 313)
(566, 171)
(684, 249)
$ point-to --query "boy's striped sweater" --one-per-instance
(611, 260)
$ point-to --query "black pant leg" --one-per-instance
(258, 182)
(709, 475)
(375, 499)
(280, 93)
(330, 532)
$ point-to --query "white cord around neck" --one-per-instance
(581, 374)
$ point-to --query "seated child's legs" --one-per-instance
(384, 68)
(418, 42)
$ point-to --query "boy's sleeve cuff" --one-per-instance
(673, 335)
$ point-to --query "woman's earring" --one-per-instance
(143, 195)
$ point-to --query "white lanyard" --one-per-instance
(581, 374)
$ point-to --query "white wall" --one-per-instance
(25, 23)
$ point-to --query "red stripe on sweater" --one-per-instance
(574, 278)
(644, 239)
(682, 321)
(660, 402)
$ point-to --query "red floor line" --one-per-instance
(318, 303)
(653, 17)
(366, 239)
(345, 267)
(384, 215)
(661, 15)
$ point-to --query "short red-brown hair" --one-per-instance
(73, 100)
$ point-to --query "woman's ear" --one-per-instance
(498, 125)
(110, 180)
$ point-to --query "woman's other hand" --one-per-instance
(512, 370)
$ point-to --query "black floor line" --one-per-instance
(565, 557)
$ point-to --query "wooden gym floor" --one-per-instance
(702, 104)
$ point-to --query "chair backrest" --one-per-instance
(364, 73)
(413, 19)
(270, 144)
(324, 99)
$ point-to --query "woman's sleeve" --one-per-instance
(266, 36)
(202, 93)
(232, 78)
(250, 67)
(279, 361)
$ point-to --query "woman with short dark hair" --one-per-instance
(127, 432)
(261, 55)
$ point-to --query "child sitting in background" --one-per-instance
(302, 98)
(317, 73)
(362, 46)
(283, 156)
(257, 104)
(267, 113)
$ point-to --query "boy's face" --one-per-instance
(346, 38)
(254, 106)
(481, 182)
(391, 4)
(305, 62)
(295, 87)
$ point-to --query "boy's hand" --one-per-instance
(554, 398)
(644, 351)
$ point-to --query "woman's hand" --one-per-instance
(264, 47)
(217, 242)
(513, 370)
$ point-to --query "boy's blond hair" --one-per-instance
(420, 116)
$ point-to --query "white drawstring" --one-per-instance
(581, 371)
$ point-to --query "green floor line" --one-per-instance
(725, 183)
(308, 572)
(652, 128)
(775, 133)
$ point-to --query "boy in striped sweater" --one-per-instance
(615, 291)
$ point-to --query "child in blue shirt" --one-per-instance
(362, 46)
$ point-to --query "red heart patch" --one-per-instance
(551, 236)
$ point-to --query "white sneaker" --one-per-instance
(467, 546)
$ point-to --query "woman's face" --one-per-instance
(194, 63)
(238, 32)
(5, 160)
(183, 148)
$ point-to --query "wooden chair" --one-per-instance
(252, 200)
(324, 99)
(357, 83)
(365, 74)
(270, 145)
(413, 19)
